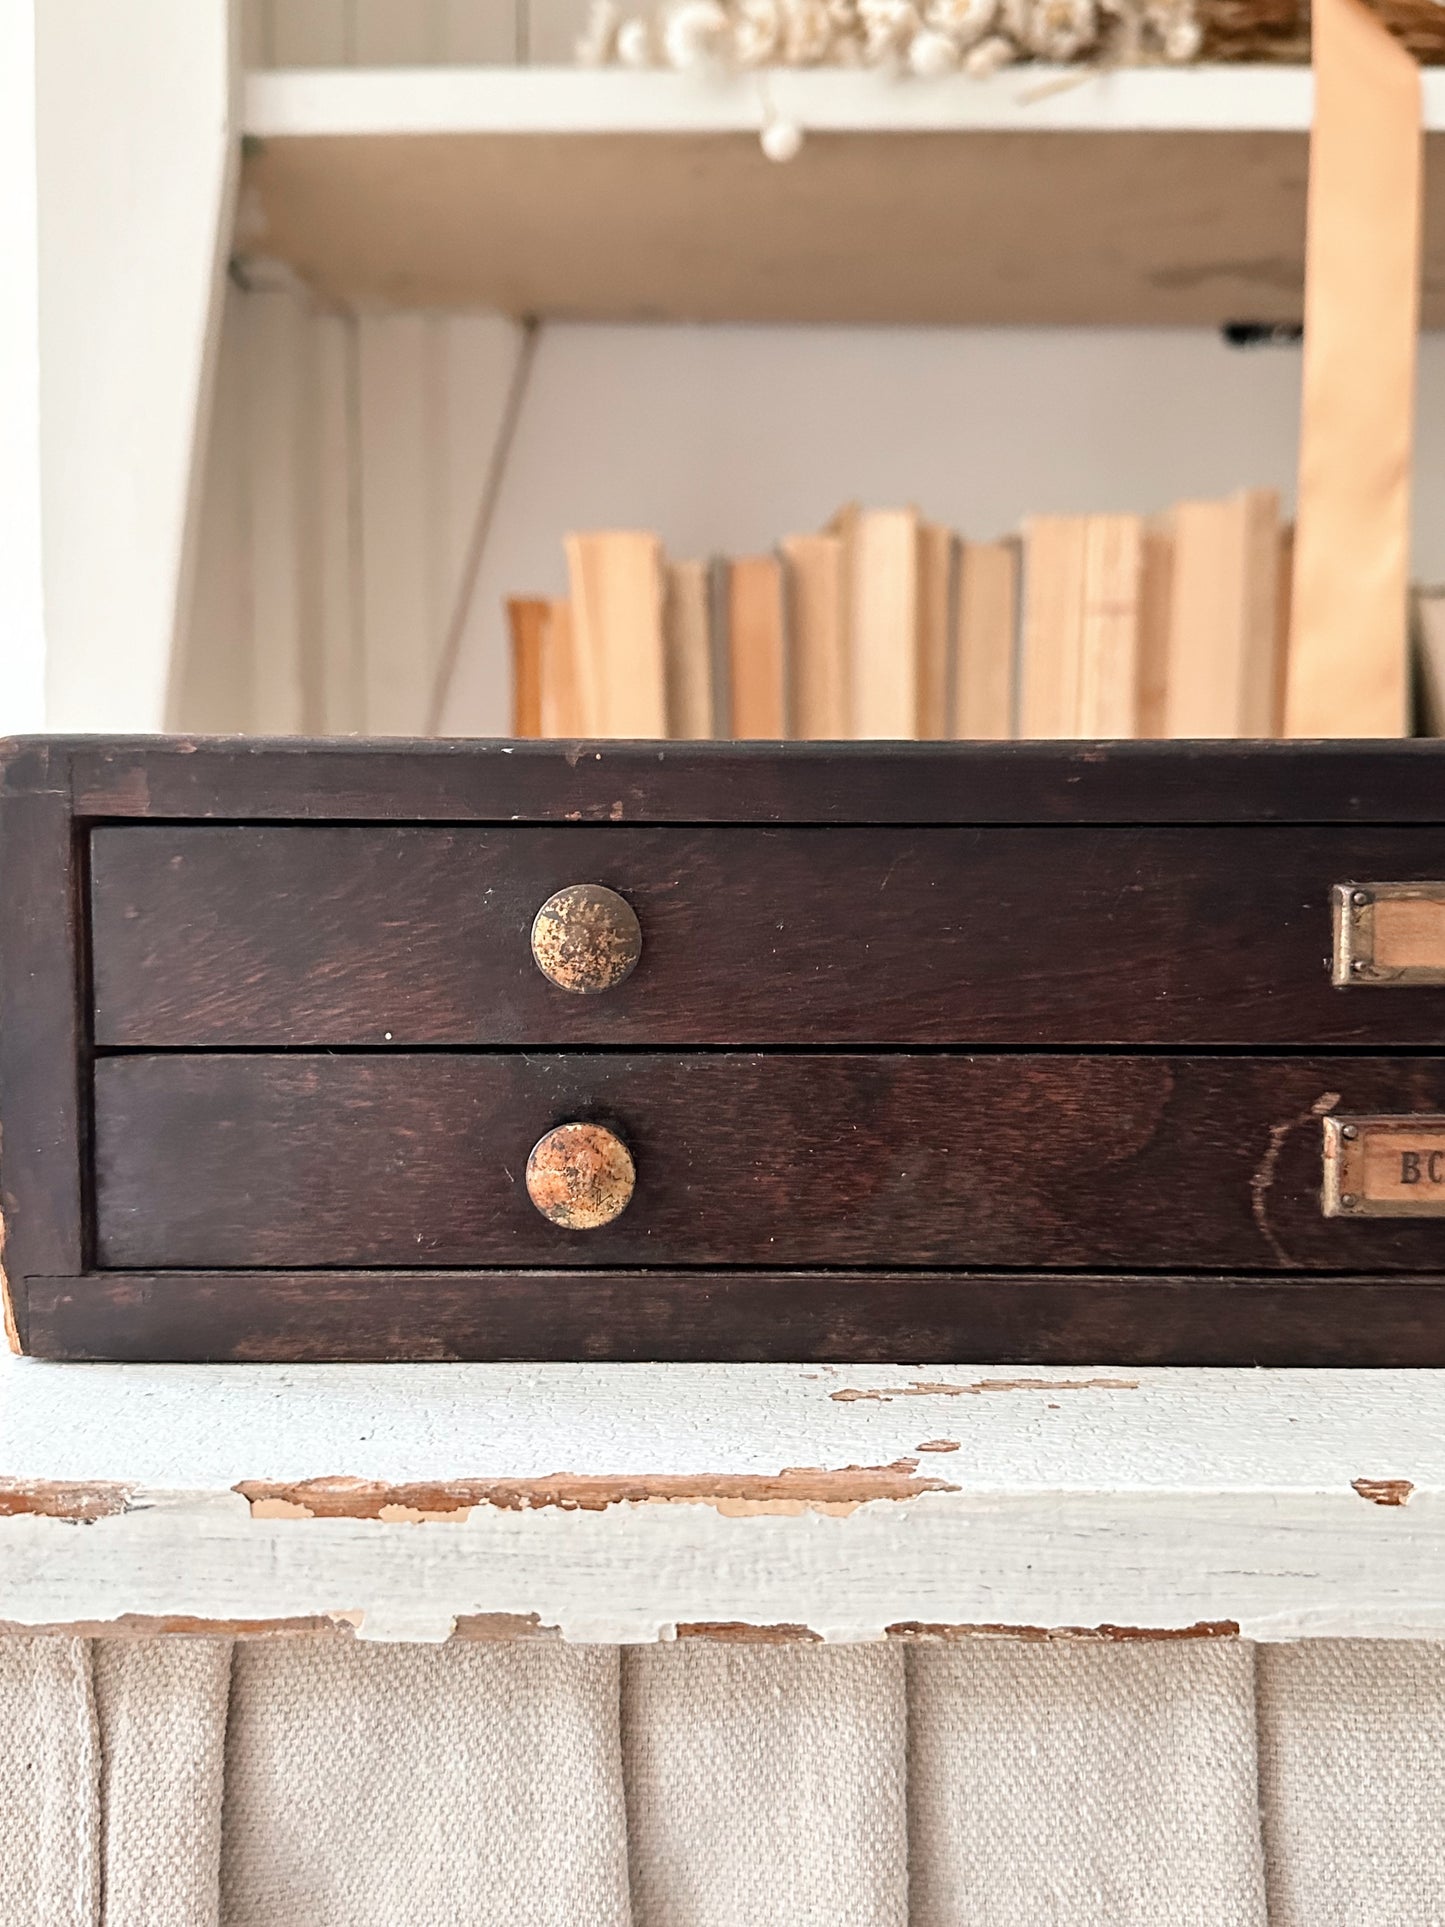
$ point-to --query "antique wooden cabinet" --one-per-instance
(475, 1050)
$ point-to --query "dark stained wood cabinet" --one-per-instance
(1015, 1053)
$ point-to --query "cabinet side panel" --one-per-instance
(42, 1119)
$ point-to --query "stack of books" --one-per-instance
(886, 625)
(1427, 634)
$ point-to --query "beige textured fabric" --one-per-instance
(162, 1711)
(1092, 1785)
(457, 1786)
(1352, 1781)
(765, 1785)
(49, 1785)
(1047, 1785)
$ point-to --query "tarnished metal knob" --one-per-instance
(586, 939)
(581, 1176)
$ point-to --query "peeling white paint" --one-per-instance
(1188, 1499)
(1280, 1566)
(209, 1428)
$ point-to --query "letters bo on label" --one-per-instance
(1384, 1167)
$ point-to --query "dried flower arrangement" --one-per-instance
(934, 37)
(923, 37)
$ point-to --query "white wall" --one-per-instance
(117, 161)
(22, 578)
(134, 166)
(403, 33)
(721, 438)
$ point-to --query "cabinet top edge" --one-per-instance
(497, 780)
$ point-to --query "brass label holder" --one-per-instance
(1388, 933)
(1384, 1167)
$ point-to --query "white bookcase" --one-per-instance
(302, 566)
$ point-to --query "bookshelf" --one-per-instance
(1042, 196)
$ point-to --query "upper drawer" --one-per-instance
(214, 935)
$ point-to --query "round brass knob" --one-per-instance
(586, 939)
(581, 1176)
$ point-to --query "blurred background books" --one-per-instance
(884, 624)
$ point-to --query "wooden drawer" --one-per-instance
(1144, 1163)
(996, 1054)
(265, 935)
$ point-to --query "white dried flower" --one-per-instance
(807, 32)
(634, 43)
(1183, 42)
(1060, 30)
(964, 21)
(1176, 29)
(888, 27)
(694, 33)
(597, 41)
(782, 140)
(846, 47)
(757, 31)
(990, 56)
(931, 53)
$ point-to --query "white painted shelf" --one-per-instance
(355, 101)
(626, 1502)
(1042, 195)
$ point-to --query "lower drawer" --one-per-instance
(243, 1161)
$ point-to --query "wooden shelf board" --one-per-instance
(1040, 196)
(623, 1502)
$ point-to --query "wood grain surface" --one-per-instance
(266, 935)
(943, 1317)
(241, 1160)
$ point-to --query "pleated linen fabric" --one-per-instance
(161, 1705)
(766, 1785)
(467, 1785)
(49, 1784)
(1352, 1779)
(963, 1785)
(1096, 1785)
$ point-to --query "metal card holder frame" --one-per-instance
(1384, 1167)
(1388, 933)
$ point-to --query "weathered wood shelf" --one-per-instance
(632, 1502)
(1040, 196)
